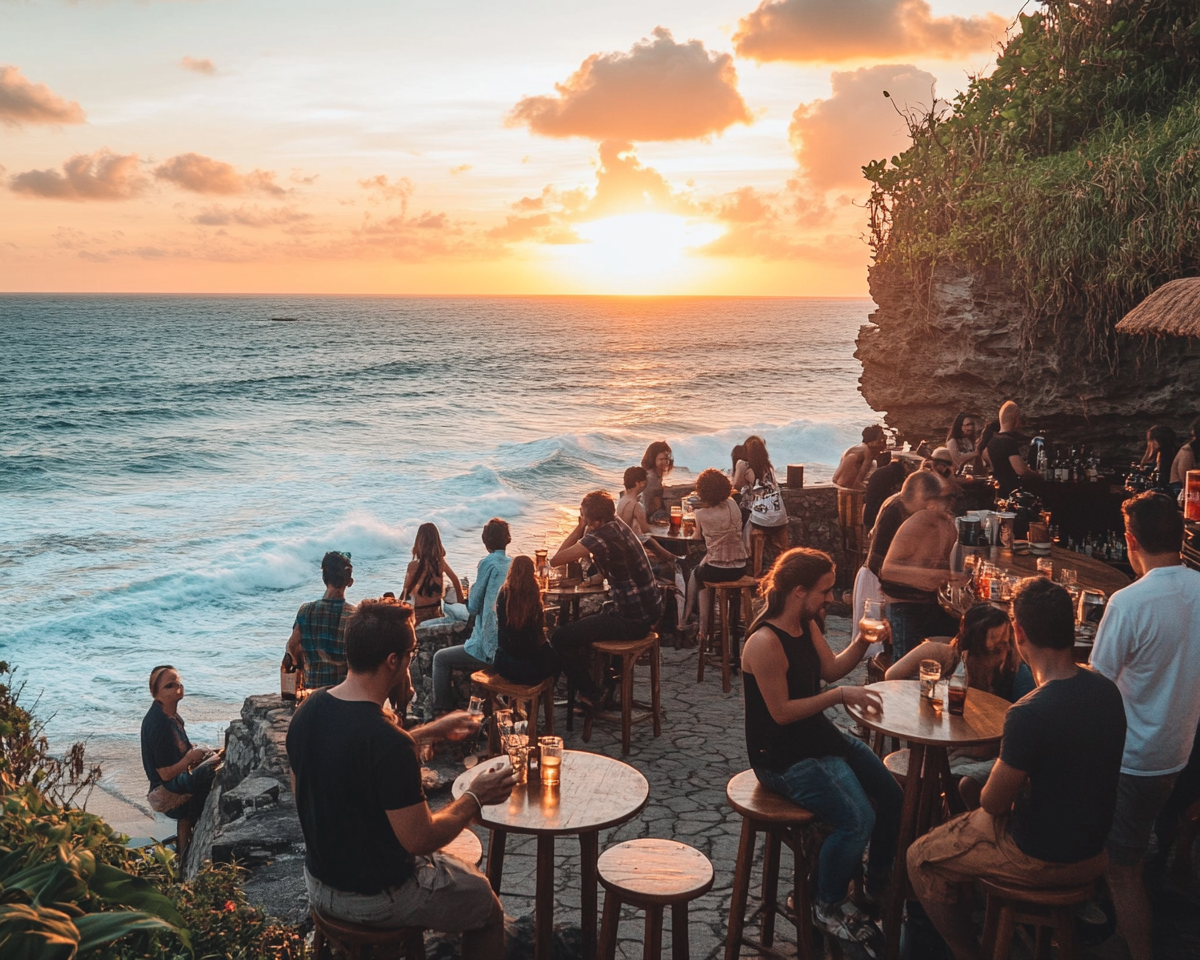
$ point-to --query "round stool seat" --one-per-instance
(655, 871)
(897, 764)
(731, 584)
(334, 935)
(621, 648)
(1045, 897)
(751, 799)
(465, 847)
(494, 683)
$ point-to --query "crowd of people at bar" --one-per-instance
(1094, 757)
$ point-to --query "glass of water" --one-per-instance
(931, 673)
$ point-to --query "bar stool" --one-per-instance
(630, 652)
(850, 522)
(758, 540)
(783, 822)
(650, 875)
(496, 686)
(720, 597)
(1050, 911)
(334, 937)
(465, 847)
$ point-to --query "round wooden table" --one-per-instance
(684, 547)
(930, 733)
(570, 597)
(594, 794)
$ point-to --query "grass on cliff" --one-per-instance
(1074, 166)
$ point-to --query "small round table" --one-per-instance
(595, 793)
(930, 733)
(570, 597)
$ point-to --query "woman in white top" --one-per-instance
(719, 525)
(754, 478)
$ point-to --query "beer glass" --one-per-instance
(872, 623)
(676, 521)
(550, 750)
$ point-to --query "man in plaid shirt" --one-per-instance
(317, 642)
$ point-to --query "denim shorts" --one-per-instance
(1139, 801)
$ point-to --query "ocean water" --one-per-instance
(172, 469)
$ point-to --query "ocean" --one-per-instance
(174, 467)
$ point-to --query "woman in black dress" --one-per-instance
(523, 654)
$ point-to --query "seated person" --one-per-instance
(985, 638)
(637, 603)
(915, 567)
(940, 462)
(479, 650)
(1048, 804)
(1004, 453)
(372, 842)
(523, 655)
(316, 644)
(795, 749)
(425, 579)
(719, 525)
(856, 463)
(633, 514)
(180, 775)
(960, 441)
(885, 482)
(658, 462)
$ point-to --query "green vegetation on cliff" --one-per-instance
(1074, 166)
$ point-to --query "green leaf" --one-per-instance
(99, 929)
(36, 933)
(120, 887)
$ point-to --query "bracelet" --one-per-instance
(478, 802)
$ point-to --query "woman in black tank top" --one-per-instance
(797, 751)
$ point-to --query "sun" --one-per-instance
(637, 253)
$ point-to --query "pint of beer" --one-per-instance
(1191, 503)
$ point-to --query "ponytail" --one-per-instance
(798, 567)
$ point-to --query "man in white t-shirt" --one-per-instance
(1149, 644)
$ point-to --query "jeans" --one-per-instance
(839, 790)
(573, 641)
(444, 661)
(913, 622)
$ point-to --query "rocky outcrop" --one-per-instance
(967, 353)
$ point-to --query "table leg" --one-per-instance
(908, 822)
(679, 932)
(544, 908)
(589, 854)
(495, 858)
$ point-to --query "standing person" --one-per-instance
(795, 750)
(1049, 801)
(180, 775)
(1161, 448)
(637, 599)
(479, 650)
(317, 643)
(884, 483)
(719, 525)
(1149, 645)
(757, 480)
(658, 462)
(1186, 459)
(1004, 451)
(960, 441)
(856, 463)
(523, 655)
(373, 845)
(425, 579)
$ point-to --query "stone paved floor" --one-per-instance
(701, 747)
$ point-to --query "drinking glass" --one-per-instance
(931, 673)
(676, 520)
(1045, 568)
(1091, 610)
(872, 624)
(1068, 577)
(475, 707)
(550, 758)
(504, 724)
(517, 748)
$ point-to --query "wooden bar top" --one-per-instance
(1092, 574)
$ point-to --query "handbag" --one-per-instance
(766, 509)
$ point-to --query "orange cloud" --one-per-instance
(219, 216)
(660, 90)
(830, 31)
(384, 190)
(24, 102)
(835, 138)
(102, 175)
(200, 174)
(199, 65)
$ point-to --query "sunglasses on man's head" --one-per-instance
(343, 553)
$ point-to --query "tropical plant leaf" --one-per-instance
(120, 887)
(36, 933)
(99, 929)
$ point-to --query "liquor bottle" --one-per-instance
(289, 679)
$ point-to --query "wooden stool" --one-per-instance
(630, 651)
(850, 522)
(783, 822)
(897, 765)
(1050, 911)
(757, 541)
(465, 847)
(721, 594)
(496, 686)
(650, 875)
(334, 937)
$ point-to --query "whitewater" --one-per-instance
(173, 468)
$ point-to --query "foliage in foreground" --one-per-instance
(65, 877)
(1074, 166)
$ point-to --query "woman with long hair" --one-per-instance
(1161, 447)
(524, 655)
(425, 579)
(796, 750)
(658, 462)
(755, 479)
(719, 525)
(960, 441)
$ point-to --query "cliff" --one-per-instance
(966, 352)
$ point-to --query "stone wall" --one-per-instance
(969, 354)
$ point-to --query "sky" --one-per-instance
(708, 147)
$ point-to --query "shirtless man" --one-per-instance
(856, 463)
(629, 507)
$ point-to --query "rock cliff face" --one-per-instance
(968, 355)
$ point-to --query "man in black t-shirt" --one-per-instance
(1049, 802)
(884, 482)
(372, 842)
(1004, 451)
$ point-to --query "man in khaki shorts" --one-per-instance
(372, 840)
(1048, 804)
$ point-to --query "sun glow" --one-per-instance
(638, 253)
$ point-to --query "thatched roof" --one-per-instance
(1173, 310)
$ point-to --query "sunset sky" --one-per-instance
(659, 146)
